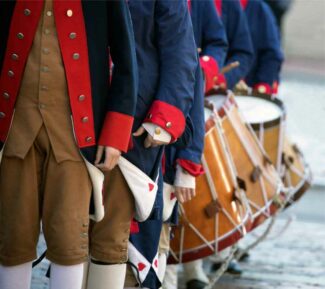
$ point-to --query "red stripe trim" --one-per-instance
(77, 71)
(27, 25)
(218, 4)
(244, 3)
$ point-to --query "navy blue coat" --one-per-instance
(210, 37)
(167, 61)
(208, 29)
(266, 42)
(166, 56)
(239, 41)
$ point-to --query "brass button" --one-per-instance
(84, 235)
(20, 35)
(84, 247)
(2, 114)
(262, 89)
(27, 12)
(46, 50)
(73, 35)
(169, 124)
(76, 56)
(47, 31)
(215, 79)
(11, 73)
(205, 58)
(69, 13)
(81, 97)
(89, 139)
(49, 13)
(45, 69)
(158, 131)
(150, 116)
(42, 106)
(85, 224)
(6, 95)
(44, 88)
(85, 119)
(14, 56)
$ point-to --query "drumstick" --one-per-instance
(229, 67)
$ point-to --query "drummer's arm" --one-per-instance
(214, 47)
(270, 55)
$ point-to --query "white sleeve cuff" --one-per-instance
(157, 132)
(184, 179)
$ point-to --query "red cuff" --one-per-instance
(210, 69)
(221, 82)
(275, 87)
(116, 131)
(192, 168)
(134, 228)
(263, 88)
(168, 117)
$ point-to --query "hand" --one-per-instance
(112, 156)
(184, 194)
(149, 141)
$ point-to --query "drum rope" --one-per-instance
(227, 153)
(285, 227)
(281, 142)
(222, 269)
(251, 246)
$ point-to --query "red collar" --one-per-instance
(218, 4)
(244, 3)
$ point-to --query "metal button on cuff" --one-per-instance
(2, 115)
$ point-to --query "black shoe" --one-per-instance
(234, 268)
(195, 284)
(244, 257)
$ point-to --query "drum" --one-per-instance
(217, 217)
(267, 118)
(297, 175)
(259, 177)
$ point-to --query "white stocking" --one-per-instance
(14, 277)
(66, 277)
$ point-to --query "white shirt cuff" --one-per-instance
(184, 179)
(157, 132)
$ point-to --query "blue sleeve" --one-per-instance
(214, 39)
(239, 39)
(194, 151)
(177, 52)
(269, 53)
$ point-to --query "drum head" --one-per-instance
(207, 114)
(257, 110)
(217, 100)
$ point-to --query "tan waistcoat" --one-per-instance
(43, 97)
